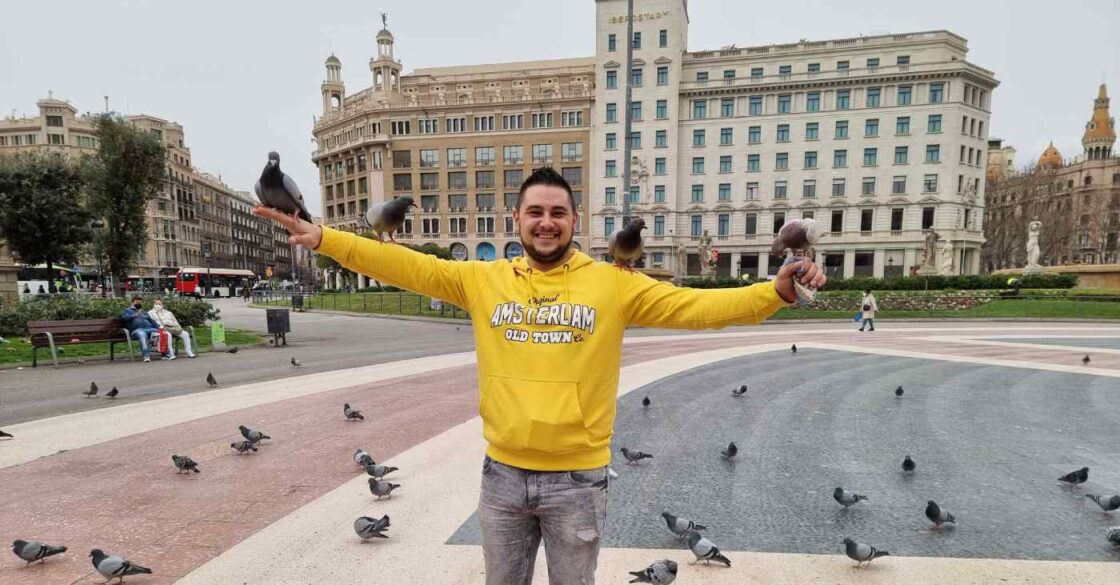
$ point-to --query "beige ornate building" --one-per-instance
(459, 140)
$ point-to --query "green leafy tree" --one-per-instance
(42, 210)
(127, 171)
(432, 249)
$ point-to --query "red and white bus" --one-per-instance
(215, 282)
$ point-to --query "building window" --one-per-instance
(781, 161)
(810, 159)
(842, 67)
(929, 184)
(428, 158)
(811, 130)
(402, 182)
(570, 119)
(934, 125)
(456, 157)
(662, 111)
(636, 77)
(839, 158)
(697, 226)
(896, 219)
(779, 220)
(608, 226)
(484, 179)
(483, 123)
(727, 107)
(608, 196)
(927, 218)
(542, 120)
(429, 181)
(663, 38)
(697, 193)
(612, 113)
(752, 191)
(636, 111)
(457, 180)
(663, 75)
(814, 68)
(871, 128)
(866, 219)
(702, 77)
(659, 166)
(661, 139)
(904, 95)
(838, 188)
(699, 109)
(659, 225)
(752, 163)
(756, 72)
(635, 140)
(571, 151)
(903, 60)
(637, 41)
(400, 127)
(841, 129)
(898, 185)
(611, 141)
(611, 43)
(611, 170)
(698, 165)
(785, 70)
(54, 121)
(56, 139)
(573, 175)
(756, 105)
(902, 125)
(724, 136)
(512, 178)
(780, 190)
(728, 74)
(725, 191)
(873, 97)
(869, 185)
(813, 101)
(901, 155)
(542, 153)
(725, 163)
(612, 79)
(698, 137)
(752, 224)
(933, 153)
(484, 155)
(870, 157)
(513, 154)
(809, 189)
(754, 134)
(837, 225)
(936, 93)
(872, 62)
(783, 132)
(843, 98)
(723, 224)
(659, 194)
(784, 103)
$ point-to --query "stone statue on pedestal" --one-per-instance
(705, 250)
(1033, 230)
(682, 259)
(929, 254)
(946, 259)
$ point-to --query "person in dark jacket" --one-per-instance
(139, 324)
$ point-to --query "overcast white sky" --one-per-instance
(243, 76)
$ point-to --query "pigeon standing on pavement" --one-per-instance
(1107, 503)
(705, 550)
(112, 393)
(625, 245)
(362, 458)
(211, 380)
(252, 434)
(908, 464)
(184, 464)
(296, 363)
(382, 488)
(1085, 360)
(232, 349)
(741, 390)
(379, 471)
(846, 498)
(1113, 535)
(4, 435)
(730, 451)
(277, 190)
(646, 402)
(388, 217)
(31, 551)
(634, 456)
(351, 414)
(793, 348)
(862, 553)
(938, 515)
(114, 567)
(1075, 477)
(243, 446)
(92, 390)
(898, 392)
(680, 526)
(661, 572)
(368, 528)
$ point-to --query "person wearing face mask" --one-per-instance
(166, 319)
(140, 325)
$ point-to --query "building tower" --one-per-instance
(1100, 132)
(1050, 159)
(385, 68)
(334, 91)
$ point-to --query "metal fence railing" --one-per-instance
(385, 303)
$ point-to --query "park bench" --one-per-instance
(52, 334)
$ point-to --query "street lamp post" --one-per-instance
(97, 225)
(206, 254)
(627, 79)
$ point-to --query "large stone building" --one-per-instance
(1077, 201)
(879, 138)
(459, 140)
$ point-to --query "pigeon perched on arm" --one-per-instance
(862, 553)
(362, 458)
(1107, 503)
(243, 446)
(367, 527)
(634, 456)
(661, 572)
(680, 526)
(31, 550)
(211, 380)
(184, 464)
(797, 236)
(730, 451)
(387, 217)
(351, 414)
(252, 434)
(938, 515)
(625, 245)
(846, 498)
(705, 550)
(908, 464)
(112, 393)
(277, 190)
(379, 471)
(741, 390)
(382, 488)
(114, 567)
(1075, 477)
(92, 390)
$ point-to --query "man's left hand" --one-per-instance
(805, 271)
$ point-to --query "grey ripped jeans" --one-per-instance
(518, 507)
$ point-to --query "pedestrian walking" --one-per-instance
(868, 306)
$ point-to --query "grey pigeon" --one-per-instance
(1113, 535)
(661, 572)
(898, 392)
(252, 434)
(379, 471)
(243, 446)
(634, 456)
(114, 567)
(796, 235)
(1075, 477)
(184, 464)
(232, 349)
(112, 393)
(31, 551)
(92, 390)
(296, 363)
(278, 191)
(741, 390)
(862, 553)
(908, 464)
(362, 458)
(793, 348)
(846, 498)
(387, 217)
(705, 550)
(367, 527)
(211, 380)
(730, 451)
(646, 402)
(680, 526)
(351, 414)
(1107, 503)
(938, 515)
(4, 435)
(382, 488)
(625, 245)
(1085, 360)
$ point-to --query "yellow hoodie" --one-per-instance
(549, 343)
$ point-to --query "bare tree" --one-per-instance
(1011, 204)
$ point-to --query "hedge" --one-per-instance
(15, 315)
(956, 282)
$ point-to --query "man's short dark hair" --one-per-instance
(546, 176)
(137, 298)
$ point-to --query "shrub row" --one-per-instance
(956, 282)
(15, 315)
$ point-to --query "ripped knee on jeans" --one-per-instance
(587, 535)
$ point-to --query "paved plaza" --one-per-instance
(993, 413)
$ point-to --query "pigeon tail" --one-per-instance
(134, 569)
(718, 557)
(639, 577)
(699, 527)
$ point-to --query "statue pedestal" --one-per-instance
(1036, 269)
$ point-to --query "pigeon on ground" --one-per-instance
(938, 515)
(296, 363)
(277, 190)
(730, 451)
(211, 380)
(379, 471)
(661, 572)
(31, 551)
(184, 464)
(646, 402)
(862, 553)
(4, 435)
(112, 393)
(382, 488)
(625, 245)
(908, 464)
(387, 217)
(1075, 477)
(705, 550)
(232, 349)
(793, 348)
(114, 567)
(741, 390)
(1113, 535)
(362, 458)
(1085, 360)
(243, 446)
(252, 434)
(898, 392)
(680, 526)
(92, 390)
(351, 414)
(1107, 503)
(367, 527)
(846, 498)
(634, 456)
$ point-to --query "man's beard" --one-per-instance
(543, 258)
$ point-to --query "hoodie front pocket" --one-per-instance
(537, 415)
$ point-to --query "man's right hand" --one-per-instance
(303, 233)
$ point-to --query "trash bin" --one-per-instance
(297, 302)
(279, 325)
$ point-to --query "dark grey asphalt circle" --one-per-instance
(989, 443)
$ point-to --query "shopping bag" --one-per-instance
(858, 317)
